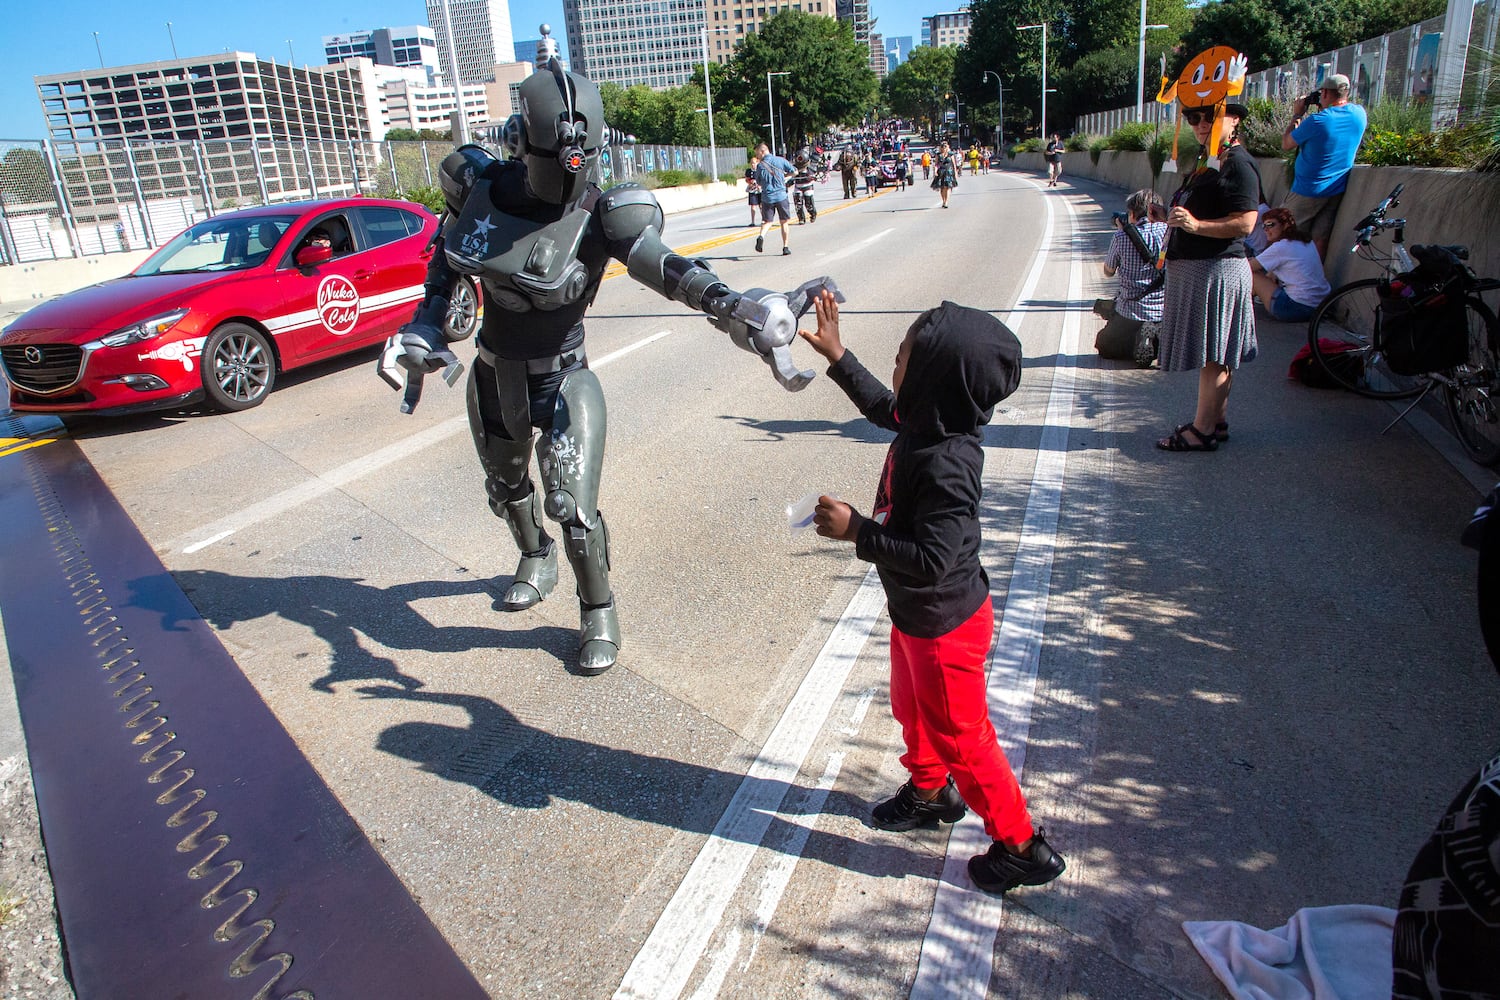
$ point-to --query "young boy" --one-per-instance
(953, 366)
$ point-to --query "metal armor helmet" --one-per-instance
(800, 159)
(558, 134)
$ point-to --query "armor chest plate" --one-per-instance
(524, 263)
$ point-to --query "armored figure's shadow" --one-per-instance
(341, 610)
(528, 768)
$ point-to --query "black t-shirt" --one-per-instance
(1213, 194)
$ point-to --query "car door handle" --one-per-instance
(363, 275)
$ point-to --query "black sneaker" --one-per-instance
(997, 870)
(905, 811)
(760, 244)
(786, 251)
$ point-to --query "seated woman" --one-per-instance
(1288, 274)
(1135, 311)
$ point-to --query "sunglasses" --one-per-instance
(1271, 224)
(1194, 117)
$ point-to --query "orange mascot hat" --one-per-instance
(1208, 81)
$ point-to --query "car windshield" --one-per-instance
(230, 243)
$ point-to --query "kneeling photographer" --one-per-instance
(1134, 313)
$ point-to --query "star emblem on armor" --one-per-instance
(483, 226)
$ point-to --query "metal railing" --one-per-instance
(1400, 66)
(75, 200)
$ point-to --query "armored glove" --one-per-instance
(765, 323)
(419, 347)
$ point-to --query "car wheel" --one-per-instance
(238, 367)
(463, 311)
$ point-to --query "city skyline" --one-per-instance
(125, 38)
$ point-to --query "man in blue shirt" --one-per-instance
(1325, 143)
(772, 172)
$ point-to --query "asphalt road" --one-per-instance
(1235, 684)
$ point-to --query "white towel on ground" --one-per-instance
(1323, 953)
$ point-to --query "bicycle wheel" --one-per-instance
(1348, 317)
(1471, 394)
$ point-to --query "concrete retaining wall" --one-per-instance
(1444, 206)
(24, 285)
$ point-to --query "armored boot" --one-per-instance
(536, 573)
(599, 632)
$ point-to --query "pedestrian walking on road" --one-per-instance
(1208, 320)
(947, 174)
(849, 172)
(775, 207)
(953, 366)
(1054, 156)
(752, 190)
(926, 165)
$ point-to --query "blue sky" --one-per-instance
(42, 37)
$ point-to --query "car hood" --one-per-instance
(109, 305)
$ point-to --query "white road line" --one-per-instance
(667, 958)
(855, 248)
(958, 950)
(327, 482)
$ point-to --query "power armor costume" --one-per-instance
(803, 182)
(538, 232)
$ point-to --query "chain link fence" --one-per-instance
(74, 200)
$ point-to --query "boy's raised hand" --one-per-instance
(826, 340)
(836, 519)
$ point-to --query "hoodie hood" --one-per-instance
(963, 361)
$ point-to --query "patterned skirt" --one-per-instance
(1208, 315)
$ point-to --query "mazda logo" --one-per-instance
(34, 355)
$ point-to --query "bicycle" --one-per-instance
(1346, 335)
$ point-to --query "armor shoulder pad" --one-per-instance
(627, 210)
(458, 173)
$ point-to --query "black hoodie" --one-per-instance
(923, 532)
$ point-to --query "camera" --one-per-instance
(1120, 218)
(1314, 99)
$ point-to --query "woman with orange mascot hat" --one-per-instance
(1208, 322)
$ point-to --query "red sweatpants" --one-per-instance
(938, 696)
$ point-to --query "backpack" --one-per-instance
(1423, 323)
(1346, 358)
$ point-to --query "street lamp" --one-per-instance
(1043, 26)
(713, 149)
(771, 105)
(1140, 78)
(1000, 100)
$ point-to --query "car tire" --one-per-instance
(239, 367)
(463, 311)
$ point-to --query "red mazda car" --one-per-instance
(225, 306)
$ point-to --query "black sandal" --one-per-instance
(1178, 440)
(1221, 431)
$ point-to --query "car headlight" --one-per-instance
(144, 330)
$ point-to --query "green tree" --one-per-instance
(916, 88)
(1075, 30)
(1098, 82)
(829, 81)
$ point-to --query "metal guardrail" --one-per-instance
(61, 200)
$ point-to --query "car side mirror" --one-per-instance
(310, 255)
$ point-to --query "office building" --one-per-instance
(952, 28)
(877, 55)
(414, 46)
(651, 42)
(856, 13)
(897, 51)
(481, 37)
(419, 105)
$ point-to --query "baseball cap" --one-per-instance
(1336, 82)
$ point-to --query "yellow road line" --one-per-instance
(614, 270)
(9, 446)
